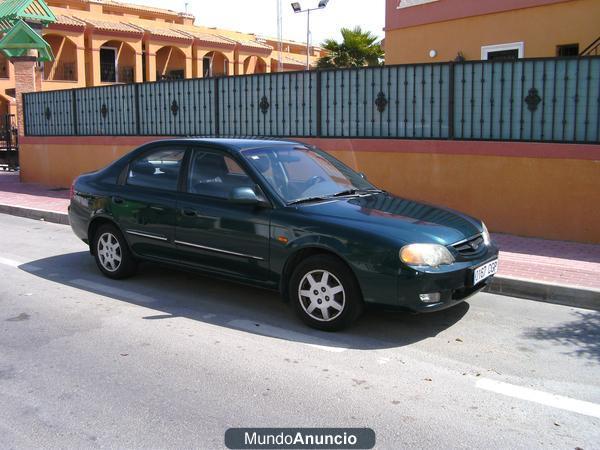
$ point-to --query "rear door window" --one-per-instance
(157, 169)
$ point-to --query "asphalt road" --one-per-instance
(173, 359)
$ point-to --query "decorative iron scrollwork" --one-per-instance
(532, 100)
(174, 107)
(47, 113)
(104, 111)
(264, 104)
(381, 102)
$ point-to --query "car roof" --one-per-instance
(238, 144)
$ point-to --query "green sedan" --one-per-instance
(283, 216)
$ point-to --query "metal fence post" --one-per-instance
(25, 121)
(74, 112)
(451, 81)
(216, 107)
(319, 103)
(138, 124)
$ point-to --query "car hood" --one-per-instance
(398, 218)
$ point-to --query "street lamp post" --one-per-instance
(298, 9)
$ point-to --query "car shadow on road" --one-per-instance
(175, 293)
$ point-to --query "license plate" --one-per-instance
(485, 271)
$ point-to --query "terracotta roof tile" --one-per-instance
(164, 32)
(144, 8)
(106, 25)
(254, 44)
(210, 38)
(70, 21)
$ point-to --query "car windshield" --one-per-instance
(299, 173)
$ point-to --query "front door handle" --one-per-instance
(117, 200)
(190, 212)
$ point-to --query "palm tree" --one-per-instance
(358, 49)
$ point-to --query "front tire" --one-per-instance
(112, 254)
(325, 293)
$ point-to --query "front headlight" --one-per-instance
(432, 255)
(486, 235)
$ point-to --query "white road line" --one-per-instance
(281, 333)
(543, 398)
(27, 267)
(9, 262)
(113, 291)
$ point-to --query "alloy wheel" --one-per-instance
(321, 295)
(109, 252)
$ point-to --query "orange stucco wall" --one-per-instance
(540, 28)
(541, 190)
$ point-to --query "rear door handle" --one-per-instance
(117, 200)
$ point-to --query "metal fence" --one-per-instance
(548, 99)
(533, 100)
(280, 104)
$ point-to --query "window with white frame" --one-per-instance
(510, 51)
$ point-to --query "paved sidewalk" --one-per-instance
(30, 195)
(557, 262)
(535, 260)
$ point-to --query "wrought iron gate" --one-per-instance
(9, 145)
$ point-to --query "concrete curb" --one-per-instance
(36, 214)
(576, 296)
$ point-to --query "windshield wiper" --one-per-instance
(347, 192)
(357, 192)
(307, 199)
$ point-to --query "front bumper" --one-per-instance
(453, 282)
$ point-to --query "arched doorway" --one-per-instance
(64, 66)
(254, 64)
(215, 64)
(117, 62)
(170, 63)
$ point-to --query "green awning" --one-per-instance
(32, 11)
(21, 38)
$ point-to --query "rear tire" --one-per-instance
(112, 254)
(325, 293)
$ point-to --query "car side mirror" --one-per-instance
(246, 196)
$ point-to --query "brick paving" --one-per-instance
(556, 262)
(30, 195)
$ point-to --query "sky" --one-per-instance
(260, 16)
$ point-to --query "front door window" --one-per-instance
(215, 175)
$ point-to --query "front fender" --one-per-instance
(373, 261)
